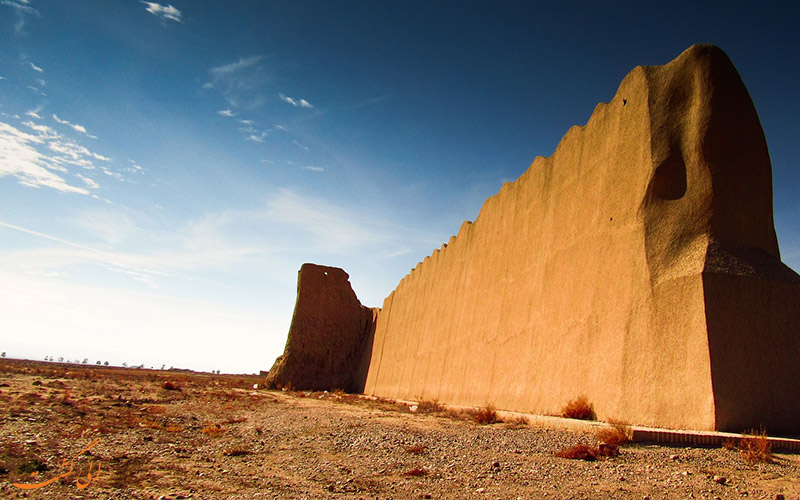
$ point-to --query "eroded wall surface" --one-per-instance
(637, 265)
(329, 334)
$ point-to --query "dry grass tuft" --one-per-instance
(582, 451)
(755, 447)
(616, 435)
(213, 430)
(156, 410)
(170, 386)
(417, 449)
(486, 416)
(580, 409)
(236, 452)
(429, 407)
(150, 424)
(236, 420)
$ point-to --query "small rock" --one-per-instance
(480, 490)
(720, 479)
(673, 457)
(496, 465)
(779, 496)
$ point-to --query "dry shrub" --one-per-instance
(516, 422)
(429, 407)
(236, 452)
(487, 415)
(579, 408)
(582, 451)
(170, 386)
(616, 435)
(155, 410)
(236, 420)
(150, 424)
(214, 430)
(417, 449)
(416, 472)
(729, 444)
(755, 447)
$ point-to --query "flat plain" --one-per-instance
(150, 434)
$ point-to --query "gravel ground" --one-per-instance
(216, 437)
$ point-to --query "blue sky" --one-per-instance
(165, 169)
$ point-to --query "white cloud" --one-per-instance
(34, 113)
(22, 5)
(246, 122)
(314, 169)
(90, 183)
(226, 112)
(21, 159)
(77, 128)
(44, 158)
(164, 12)
(302, 103)
(35, 67)
(134, 168)
(241, 64)
(258, 137)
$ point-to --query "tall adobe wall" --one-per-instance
(638, 265)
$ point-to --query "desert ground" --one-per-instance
(82, 432)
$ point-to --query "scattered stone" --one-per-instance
(720, 479)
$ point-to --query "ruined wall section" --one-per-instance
(329, 334)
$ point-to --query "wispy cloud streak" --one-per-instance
(240, 82)
(164, 12)
(301, 103)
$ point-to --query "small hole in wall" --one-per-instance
(669, 179)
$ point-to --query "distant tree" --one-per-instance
(124, 364)
(85, 360)
(98, 363)
(106, 363)
(61, 359)
(162, 367)
(3, 355)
